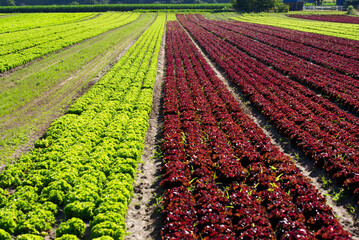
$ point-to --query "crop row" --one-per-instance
(11, 38)
(224, 179)
(327, 18)
(340, 30)
(339, 87)
(21, 22)
(85, 166)
(20, 47)
(326, 40)
(321, 57)
(301, 44)
(340, 46)
(326, 134)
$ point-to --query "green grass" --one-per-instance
(45, 75)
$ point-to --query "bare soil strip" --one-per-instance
(143, 216)
(350, 221)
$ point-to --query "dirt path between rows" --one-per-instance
(349, 221)
(143, 216)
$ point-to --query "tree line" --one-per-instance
(85, 2)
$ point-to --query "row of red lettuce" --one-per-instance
(338, 87)
(223, 177)
(329, 139)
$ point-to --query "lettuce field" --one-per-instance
(256, 134)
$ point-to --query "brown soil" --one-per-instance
(348, 220)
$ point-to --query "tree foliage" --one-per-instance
(351, 2)
(351, 10)
(319, 2)
(86, 2)
(256, 5)
(7, 3)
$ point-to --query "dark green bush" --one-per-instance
(351, 10)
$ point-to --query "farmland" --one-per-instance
(328, 18)
(342, 30)
(117, 105)
(19, 47)
(230, 129)
(56, 80)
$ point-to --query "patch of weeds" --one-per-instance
(326, 182)
(350, 208)
(157, 154)
(284, 140)
(158, 202)
(338, 196)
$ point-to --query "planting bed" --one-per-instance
(83, 170)
(328, 18)
(293, 109)
(336, 86)
(340, 30)
(219, 167)
(29, 43)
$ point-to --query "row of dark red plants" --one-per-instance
(301, 105)
(341, 46)
(299, 115)
(338, 87)
(224, 179)
(327, 18)
(302, 100)
(321, 57)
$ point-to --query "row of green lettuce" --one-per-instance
(17, 48)
(82, 172)
(19, 22)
